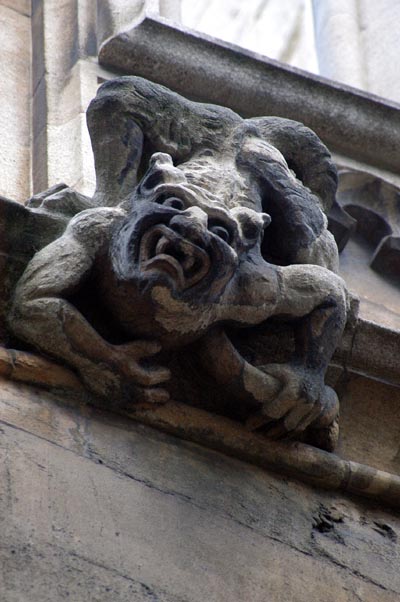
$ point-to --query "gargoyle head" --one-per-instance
(200, 185)
(186, 236)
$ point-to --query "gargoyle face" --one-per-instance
(181, 248)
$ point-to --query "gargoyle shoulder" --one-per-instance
(92, 227)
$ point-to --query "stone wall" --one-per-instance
(15, 94)
(96, 507)
(357, 43)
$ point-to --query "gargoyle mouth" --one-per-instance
(163, 250)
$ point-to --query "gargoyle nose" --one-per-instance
(161, 171)
(192, 224)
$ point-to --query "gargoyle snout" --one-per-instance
(191, 224)
(161, 171)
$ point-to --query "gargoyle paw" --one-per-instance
(302, 401)
(128, 360)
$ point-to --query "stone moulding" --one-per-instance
(294, 459)
(351, 122)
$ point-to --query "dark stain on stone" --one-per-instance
(325, 520)
(385, 530)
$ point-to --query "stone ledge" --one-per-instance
(93, 502)
(351, 122)
(297, 460)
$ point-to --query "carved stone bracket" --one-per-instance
(374, 205)
(366, 225)
(202, 270)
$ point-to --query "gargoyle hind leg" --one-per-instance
(316, 300)
(42, 316)
(222, 361)
(258, 389)
(291, 397)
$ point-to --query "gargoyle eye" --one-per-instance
(172, 202)
(250, 230)
(206, 153)
(222, 232)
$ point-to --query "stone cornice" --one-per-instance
(351, 122)
(294, 459)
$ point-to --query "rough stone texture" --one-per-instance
(366, 403)
(293, 459)
(15, 94)
(350, 122)
(375, 351)
(94, 506)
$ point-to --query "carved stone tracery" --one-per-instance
(205, 243)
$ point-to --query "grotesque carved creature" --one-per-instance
(205, 229)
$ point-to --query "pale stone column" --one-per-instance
(64, 81)
(68, 76)
(15, 97)
(358, 43)
(338, 41)
(114, 16)
(279, 29)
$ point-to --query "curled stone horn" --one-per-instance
(305, 154)
(131, 118)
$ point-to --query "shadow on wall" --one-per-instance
(366, 226)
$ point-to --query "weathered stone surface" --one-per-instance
(375, 351)
(15, 93)
(303, 462)
(20, 6)
(370, 421)
(355, 124)
(176, 259)
(94, 506)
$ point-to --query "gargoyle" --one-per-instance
(205, 230)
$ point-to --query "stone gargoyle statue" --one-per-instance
(202, 268)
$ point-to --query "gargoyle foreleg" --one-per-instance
(293, 395)
(42, 316)
(316, 300)
(222, 361)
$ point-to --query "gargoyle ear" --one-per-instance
(131, 117)
(305, 154)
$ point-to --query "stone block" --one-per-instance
(92, 501)
(65, 152)
(21, 6)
